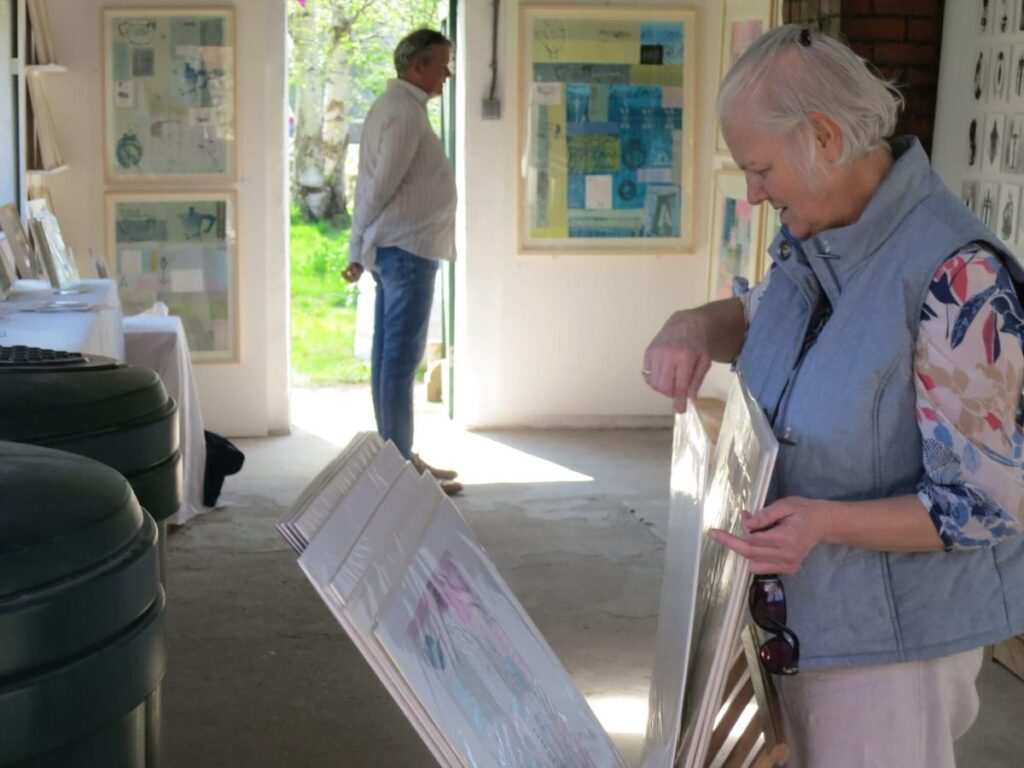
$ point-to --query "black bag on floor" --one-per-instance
(222, 459)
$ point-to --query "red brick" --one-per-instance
(871, 28)
(909, 7)
(906, 53)
(919, 126)
(924, 30)
(927, 76)
(919, 102)
(864, 50)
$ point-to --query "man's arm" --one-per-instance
(679, 356)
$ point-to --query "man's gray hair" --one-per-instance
(789, 73)
(417, 46)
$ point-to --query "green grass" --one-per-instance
(323, 307)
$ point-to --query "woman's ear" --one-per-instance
(828, 139)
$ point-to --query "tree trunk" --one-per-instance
(336, 93)
(310, 190)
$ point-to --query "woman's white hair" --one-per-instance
(789, 73)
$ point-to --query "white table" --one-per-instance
(92, 332)
(159, 343)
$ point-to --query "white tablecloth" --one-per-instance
(95, 332)
(159, 343)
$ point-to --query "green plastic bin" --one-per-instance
(81, 615)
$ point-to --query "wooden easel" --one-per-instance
(759, 741)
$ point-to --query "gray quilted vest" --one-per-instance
(846, 422)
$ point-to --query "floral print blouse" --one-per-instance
(969, 365)
(969, 362)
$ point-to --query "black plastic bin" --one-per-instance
(81, 615)
(117, 414)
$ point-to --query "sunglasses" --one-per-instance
(780, 653)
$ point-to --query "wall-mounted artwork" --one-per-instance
(984, 16)
(735, 234)
(1002, 18)
(969, 194)
(1008, 211)
(170, 94)
(979, 82)
(181, 249)
(988, 201)
(995, 131)
(1000, 80)
(607, 110)
(743, 21)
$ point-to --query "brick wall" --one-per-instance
(902, 38)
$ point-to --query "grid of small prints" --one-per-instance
(995, 124)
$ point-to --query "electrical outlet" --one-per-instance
(492, 109)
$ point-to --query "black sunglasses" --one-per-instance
(780, 653)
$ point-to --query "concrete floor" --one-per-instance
(261, 675)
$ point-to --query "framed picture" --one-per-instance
(169, 90)
(181, 249)
(735, 234)
(26, 261)
(57, 258)
(7, 270)
(743, 21)
(607, 111)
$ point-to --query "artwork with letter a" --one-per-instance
(607, 147)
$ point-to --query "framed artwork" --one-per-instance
(7, 271)
(26, 261)
(181, 249)
(772, 228)
(743, 21)
(57, 258)
(979, 82)
(607, 112)
(735, 234)
(169, 90)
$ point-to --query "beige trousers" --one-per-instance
(889, 716)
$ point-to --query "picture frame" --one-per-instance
(57, 258)
(736, 246)
(8, 275)
(26, 260)
(169, 94)
(180, 248)
(743, 21)
(607, 109)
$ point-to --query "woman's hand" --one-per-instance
(780, 535)
(679, 356)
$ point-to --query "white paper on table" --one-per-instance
(478, 665)
(691, 465)
(744, 460)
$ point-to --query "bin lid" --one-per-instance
(59, 514)
(46, 394)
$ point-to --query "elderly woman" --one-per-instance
(885, 346)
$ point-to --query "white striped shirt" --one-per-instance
(405, 191)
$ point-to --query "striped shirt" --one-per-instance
(405, 191)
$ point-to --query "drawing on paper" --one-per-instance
(170, 94)
(608, 124)
(179, 249)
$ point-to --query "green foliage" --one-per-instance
(323, 314)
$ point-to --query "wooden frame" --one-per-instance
(607, 108)
(180, 248)
(743, 21)
(182, 59)
(736, 246)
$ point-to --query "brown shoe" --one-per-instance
(441, 474)
(451, 487)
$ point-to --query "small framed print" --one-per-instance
(979, 81)
(1007, 213)
(1017, 76)
(1002, 17)
(988, 201)
(181, 249)
(985, 25)
(972, 148)
(995, 130)
(1000, 80)
(1013, 145)
(735, 234)
(743, 21)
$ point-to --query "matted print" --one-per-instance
(181, 249)
(1017, 76)
(1013, 145)
(607, 111)
(979, 82)
(969, 194)
(1008, 213)
(26, 261)
(988, 202)
(735, 235)
(975, 131)
(985, 24)
(691, 465)
(478, 664)
(1000, 80)
(995, 132)
(170, 94)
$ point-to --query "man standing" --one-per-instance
(403, 225)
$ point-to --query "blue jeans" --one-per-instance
(405, 291)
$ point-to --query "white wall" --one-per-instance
(251, 397)
(544, 341)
